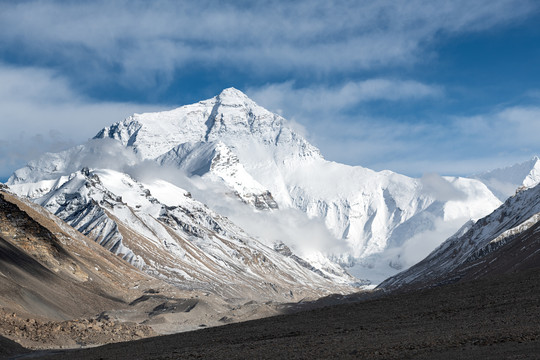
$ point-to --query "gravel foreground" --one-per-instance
(494, 318)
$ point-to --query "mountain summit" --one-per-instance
(230, 117)
(248, 164)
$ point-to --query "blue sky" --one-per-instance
(450, 87)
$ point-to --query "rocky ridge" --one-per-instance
(59, 288)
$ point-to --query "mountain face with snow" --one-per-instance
(161, 230)
(227, 148)
(504, 182)
(506, 240)
(51, 271)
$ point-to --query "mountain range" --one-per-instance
(60, 288)
(248, 164)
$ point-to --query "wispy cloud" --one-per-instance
(39, 112)
(448, 145)
(141, 43)
(440, 188)
(466, 145)
(510, 128)
(338, 98)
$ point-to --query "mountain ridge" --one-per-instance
(511, 232)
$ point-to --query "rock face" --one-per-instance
(54, 281)
(505, 241)
(231, 142)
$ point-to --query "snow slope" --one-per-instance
(232, 142)
(505, 181)
(160, 229)
(216, 161)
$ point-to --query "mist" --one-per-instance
(379, 267)
(439, 188)
(306, 237)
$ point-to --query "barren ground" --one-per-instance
(491, 318)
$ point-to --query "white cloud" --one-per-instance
(515, 127)
(523, 121)
(39, 112)
(145, 42)
(535, 94)
(421, 245)
(450, 145)
(440, 188)
(337, 98)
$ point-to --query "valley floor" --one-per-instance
(490, 318)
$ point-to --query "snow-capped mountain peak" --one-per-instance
(533, 177)
(505, 181)
(230, 117)
(234, 98)
(254, 154)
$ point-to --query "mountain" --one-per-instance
(481, 319)
(505, 241)
(160, 229)
(59, 287)
(504, 182)
(227, 148)
(48, 268)
(55, 282)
